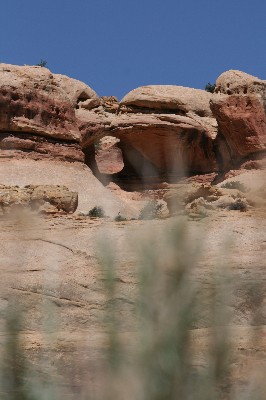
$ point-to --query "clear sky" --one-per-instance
(117, 45)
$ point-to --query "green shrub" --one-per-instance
(96, 212)
(239, 204)
(120, 218)
(151, 210)
(42, 63)
(235, 185)
(210, 87)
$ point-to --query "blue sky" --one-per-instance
(117, 45)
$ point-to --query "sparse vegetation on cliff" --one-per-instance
(151, 210)
(96, 212)
(42, 63)
(210, 87)
(235, 185)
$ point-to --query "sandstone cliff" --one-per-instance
(154, 134)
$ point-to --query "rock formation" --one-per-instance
(239, 106)
(37, 113)
(43, 198)
(164, 131)
(154, 134)
(40, 136)
(56, 138)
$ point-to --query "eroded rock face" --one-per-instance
(75, 176)
(43, 198)
(26, 145)
(164, 131)
(196, 199)
(155, 134)
(108, 157)
(34, 103)
(239, 106)
(166, 98)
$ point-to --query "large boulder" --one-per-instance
(38, 197)
(169, 98)
(239, 106)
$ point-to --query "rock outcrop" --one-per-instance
(108, 155)
(42, 198)
(155, 134)
(77, 177)
(164, 131)
(37, 112)
(27, 145)
(239, 106)
(196, 199)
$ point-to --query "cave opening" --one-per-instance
(138, 172)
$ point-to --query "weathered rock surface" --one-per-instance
(155, 134)
(167, 98)
(108, 156)
(151, 133)
(197, 198)
(26, 145)
(163, 131)
(238, 82)
(50, 269)
(35, 102)
(38, 197)
(239, 106)
(75, 176)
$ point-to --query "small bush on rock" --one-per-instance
(235, 185)
(120, 218)
(42, 63)
(210, 87)
(239, 204)
(151, 210)
(96, 212)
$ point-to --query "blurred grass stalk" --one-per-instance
(18, 378)
(160, 359)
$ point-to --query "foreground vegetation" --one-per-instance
(160, 359)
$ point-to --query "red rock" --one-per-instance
(109, 158)
(162, 134)
(239, 107)
(23, 145)
(33, 101)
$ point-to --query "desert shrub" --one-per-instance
(151, 210)
(235, 185)
(96, 212)
(42, 63)
(210, 87)
(120, 218)
(239, 204)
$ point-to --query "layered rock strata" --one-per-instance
(27, 145)
(37, 112)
